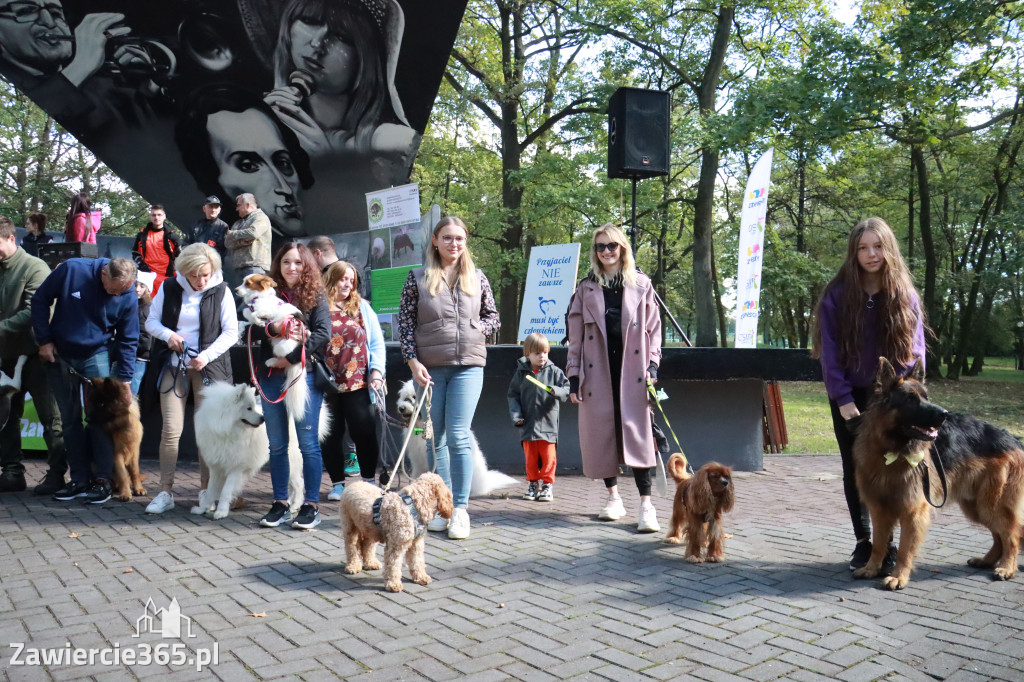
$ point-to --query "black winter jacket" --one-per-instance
(534, 405)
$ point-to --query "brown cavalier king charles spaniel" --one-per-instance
(700, 502)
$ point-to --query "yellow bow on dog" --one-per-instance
(913, 459)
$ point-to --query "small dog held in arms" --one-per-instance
(700, 503)
(261, 306)
(231, 432)
(485, 481)
(396, 519)
(112, 407)
(9, 387)
(896, 437)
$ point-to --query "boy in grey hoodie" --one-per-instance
(533, 396)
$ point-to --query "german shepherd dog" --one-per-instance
(896, 436)
(111, 407)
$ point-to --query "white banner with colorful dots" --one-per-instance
(748, 279)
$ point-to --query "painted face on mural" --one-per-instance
(34, 34)
(252, 157)
(331, 60)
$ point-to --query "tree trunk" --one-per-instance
(910, 214)
(802, 320)
(703, 219)
(511, 239)
(929, 303)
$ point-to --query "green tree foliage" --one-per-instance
(43, 166)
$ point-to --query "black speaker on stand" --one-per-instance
(639, 147)
(638, 138)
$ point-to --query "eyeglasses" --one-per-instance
(28, 12)
(611, 247)
(449, 239)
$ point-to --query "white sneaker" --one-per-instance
(160, 503)
(458, 528)
(648, 520)
(437, 524)
(613, 511)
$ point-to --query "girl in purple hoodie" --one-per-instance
(869, 310)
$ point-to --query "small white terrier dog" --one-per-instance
(261, 306)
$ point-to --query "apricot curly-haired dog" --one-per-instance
(112, 407)
(700, 502)
(395, 526)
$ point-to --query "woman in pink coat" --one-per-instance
(614, 348)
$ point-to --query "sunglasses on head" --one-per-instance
(610, 247)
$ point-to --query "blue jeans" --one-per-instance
(90, 450)
(140, 369)
(307, 431)
(456, 393)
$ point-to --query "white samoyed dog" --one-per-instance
(485, 481)
(230, 426)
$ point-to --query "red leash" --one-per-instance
(287, 326)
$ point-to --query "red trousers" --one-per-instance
(540, 460)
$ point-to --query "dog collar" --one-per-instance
(413, 511)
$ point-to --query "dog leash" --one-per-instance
(926, 478)
(424, 399)
(187, 353)
(387, 441)
(652, 396)
(286, 329)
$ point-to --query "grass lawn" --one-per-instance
(997, 395)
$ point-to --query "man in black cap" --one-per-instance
(210, 228)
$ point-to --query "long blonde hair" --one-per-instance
(337, 270)
(627, 266)
(434, 270)
(898, 300)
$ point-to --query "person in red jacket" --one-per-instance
(156, 247)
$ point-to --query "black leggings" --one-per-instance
(351, 409)
(642, 478)
(858, 512)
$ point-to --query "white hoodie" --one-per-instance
(188, 318)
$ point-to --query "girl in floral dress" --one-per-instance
(355, 356)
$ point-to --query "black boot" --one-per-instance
(12, 483)
(50, 484)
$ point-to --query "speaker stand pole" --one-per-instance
(675, 323)
(632, 223)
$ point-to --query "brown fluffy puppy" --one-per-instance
(397, 528)
(898, 437)
(697, 510)
(112, 407)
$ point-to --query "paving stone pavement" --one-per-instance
(539, 591)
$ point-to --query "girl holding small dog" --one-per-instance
(355, 355)
(298, 282)
(533, 396)
(614, 350)
(869, 310)
(446, 313)
(192, 320)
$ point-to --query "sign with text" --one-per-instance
(387, 288)
(393, 207)
(748, 278)
(550, 281)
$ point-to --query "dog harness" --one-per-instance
(413, 511)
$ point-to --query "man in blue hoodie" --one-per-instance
(93, 302)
